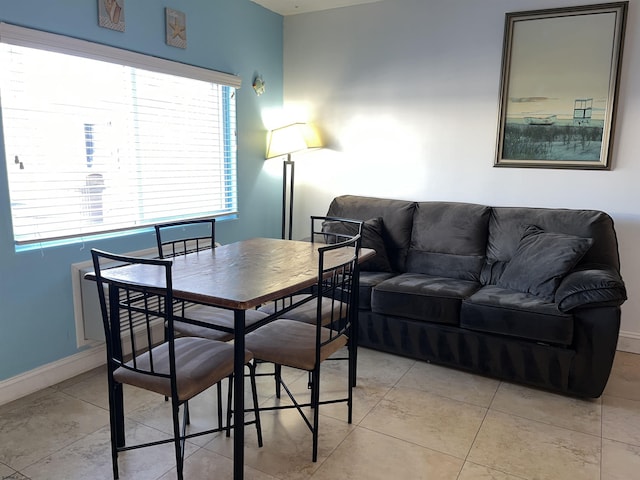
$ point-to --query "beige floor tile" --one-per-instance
(100, 371)
(205, 464)
(370, 455)
(624, 380)
(442, 424)
(471, 471)
(90, 458)
(7, 473)
(535, 450)
(619, 461)
(554, 409)
(94, 389)
(381, 368)
(621, 420)
(287, 449)
(44, 425)
(333, 385)
(416, 420)
(451, 383)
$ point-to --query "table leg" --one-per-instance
(238, 395)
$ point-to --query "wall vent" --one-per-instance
(86, 305)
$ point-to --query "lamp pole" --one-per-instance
(288, 170)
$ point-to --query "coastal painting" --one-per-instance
(559, 85)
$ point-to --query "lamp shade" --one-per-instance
(291, 138)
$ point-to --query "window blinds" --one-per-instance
(99, 139)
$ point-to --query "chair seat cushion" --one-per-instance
(216, 317)
(493, 309)
(422, 297)
(291, 343)
(200, 363)
(307, 312)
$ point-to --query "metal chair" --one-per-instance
(306, 346)
(191, 236)
(301, 307)
(198, 236)
(143, 353)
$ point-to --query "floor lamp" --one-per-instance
(285, 141)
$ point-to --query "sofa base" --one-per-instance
(534, 364)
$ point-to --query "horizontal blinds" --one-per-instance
(95, 146)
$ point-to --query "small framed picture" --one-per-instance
(176, 26)
(111, 14)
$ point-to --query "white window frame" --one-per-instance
(24, 37)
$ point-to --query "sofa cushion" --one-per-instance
(397, 217)
(422, 297)
(507, 225)
(590, 287)
(493, 309)
(449, 240)
(367, 281)
(371, 238)
(541, 260)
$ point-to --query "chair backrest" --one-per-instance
(180, 238)
(334, 229)
(338, 274)
(133, 314)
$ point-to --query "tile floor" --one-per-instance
(412, 420)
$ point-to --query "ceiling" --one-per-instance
(293, 7)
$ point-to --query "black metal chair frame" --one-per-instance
(188, 244)
(340, 282)
(319, 234)
(155, 305)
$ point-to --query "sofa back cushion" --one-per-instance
(449, 239)
(397, 220)
(508, 224)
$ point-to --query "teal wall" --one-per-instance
(235, 36)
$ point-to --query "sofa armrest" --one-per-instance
(594, 286)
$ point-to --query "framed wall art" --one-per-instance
(111, 14)
(176, 27)
(559, 86)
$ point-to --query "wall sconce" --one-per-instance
(285, 141)
(259, 85)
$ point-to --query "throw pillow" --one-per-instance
(371, 238)
(541, 260)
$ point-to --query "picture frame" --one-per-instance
(111, 14)
(559, 86)
(176, 28)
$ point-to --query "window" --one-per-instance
(99, 139)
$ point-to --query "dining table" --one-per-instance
(241, 276)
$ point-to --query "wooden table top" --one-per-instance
(240, 275)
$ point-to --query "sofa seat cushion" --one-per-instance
(493, 309)
(368, 280)
(422, 297)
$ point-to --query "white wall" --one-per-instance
(406, 94)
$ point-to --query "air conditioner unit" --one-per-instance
(86, 305)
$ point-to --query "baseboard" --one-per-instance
(629, 342)
(47, 375)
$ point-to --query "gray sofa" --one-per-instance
(529, 295)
